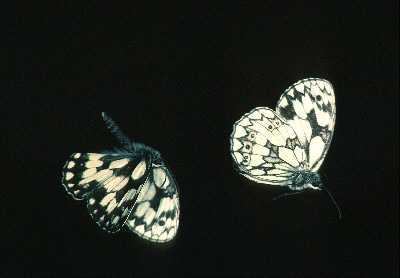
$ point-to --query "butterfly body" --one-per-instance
(130, 186)
(306, 179)
(286, 146)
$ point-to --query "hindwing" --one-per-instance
(265, 147)
(156, 213)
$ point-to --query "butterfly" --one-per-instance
(287, 146)
(130, 186)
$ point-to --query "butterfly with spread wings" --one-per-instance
(131, 186)
(287, 146)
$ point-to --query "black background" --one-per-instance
(176, 76)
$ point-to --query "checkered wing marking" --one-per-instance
(156, 213)
(265, 148)
(309, 108)
(85, 171)
(110, 182)
(111, 203)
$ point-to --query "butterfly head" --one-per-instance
(315, 181)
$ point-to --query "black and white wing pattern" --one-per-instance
(115, 184)
(109, 182)
(156, 212)
(309, 108)
(265, 148)
(286, 147)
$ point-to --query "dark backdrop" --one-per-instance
(177, 76)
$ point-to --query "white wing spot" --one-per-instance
(257, 172)
(284, 102)
(94, 156)
(88, 173)
(261, 140)
(171, 233)
(329, 88)
(71, 164)
(238, 157)
(131, 223)
(256, 160)
(140, 229)
(163, 236)
(69, 176)
(157, 229)
(321, 84)
(316, 149)
(118, 163)
(149, 216)
(139, 171)
(288, 156)
(159, 177)
(239, 132)
(107, 199)
(278, 172)
(147, 234)
(322, 117)
(93, 163)
(299, 152)
(149, 194)
(142, 208)
(267, 113)
(307, 84)
(111, 206)
(300, 87)
(255, 115)
(307, 103)
(257, 149)
(298, 108)
(128, 196)
(245, 122)
(297, 127)
(99, 176)
(121, 183)
(77, 155)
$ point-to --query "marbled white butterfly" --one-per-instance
(129, 186)
(287, 146)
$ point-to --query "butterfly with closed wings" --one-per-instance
(131, 186)
(287, 146)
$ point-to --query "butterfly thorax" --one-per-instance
(306, 179)
(139, 149)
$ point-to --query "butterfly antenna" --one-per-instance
(116, 131)
(287, 194)
(340, 213)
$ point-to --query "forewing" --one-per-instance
(155, 215)
(85, 171)
(265, 148)
(309, 108)
(112, 201)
